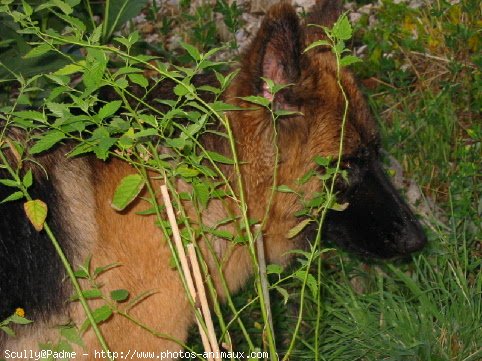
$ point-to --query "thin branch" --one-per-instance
(185, 267)
(204, 301)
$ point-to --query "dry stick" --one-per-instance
(184, 264)
(177, 239)
(262, 273)
(205, 340)
(204, 301)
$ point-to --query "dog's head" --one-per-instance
(377, 221)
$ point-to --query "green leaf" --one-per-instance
(19, 320)
(310, 281)
(194, 128)
(149, 119)
(64, 7)
(101, 150)
(99, 270)
(31, 115)
(182, 89)
(220, 106)
(126, 70)
(316, 44)
(339, 47)
(13, 197)
(71, 68)
(274, 269)
(285, 113)
(27, 179)
(339, 207)
(36, 212)
(342, 29)
(27, 8)
(221, 233)
(8, 331)
(349, 59)
(138, 79)
(127, 190)
(298, 228)
(273, 87)
(284, 189)
(323, 161)
(201, 191)
(9, 183)
(59, 109)
(38, 51)
(219, 158)
(178, 143)
(100, 315)
(123, 41)
(94, 70)
(193, 52)
(270, 83)
(95, 37)
(74, 22)
(119, 295)
(257, 100)
(71, 334)
(81, 273)
(81, 148)
(88, 294)
(122, 83)
(63, 345)
(110, 108)
(133, 37)
(47, 141)
(228, 79)
(146, 133)
(186, 172)
(209, 88)
(142, 296)
(283, 293)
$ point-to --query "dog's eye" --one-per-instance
(351, 176)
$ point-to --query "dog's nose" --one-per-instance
(414, 238)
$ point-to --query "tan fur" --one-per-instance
(136, 243)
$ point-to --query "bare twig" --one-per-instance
(203, 300)
(185, 267)
(445, 60)
(177, 239)
(414, 68)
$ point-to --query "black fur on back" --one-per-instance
(31, 273)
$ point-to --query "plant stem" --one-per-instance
(78, 289)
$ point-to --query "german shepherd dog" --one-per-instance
(377, 221)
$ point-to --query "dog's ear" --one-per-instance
(275, 53)
(324, 13)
